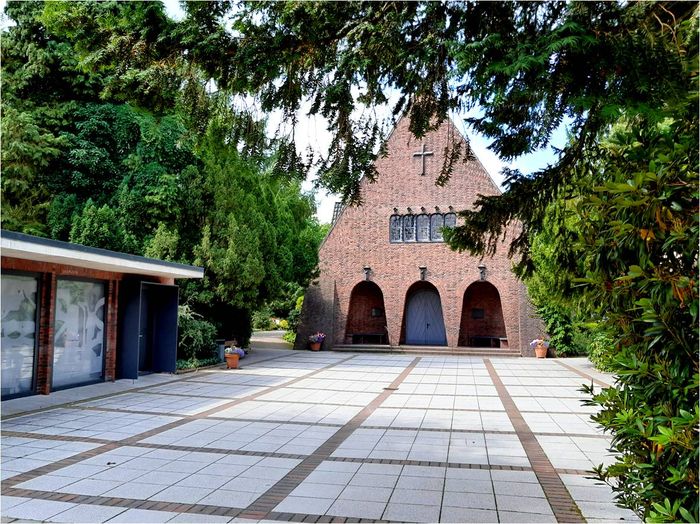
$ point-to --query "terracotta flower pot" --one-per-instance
(232, 360)
(315, 346)
(541, 351)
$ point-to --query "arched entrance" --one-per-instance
(366, 316)
(482, 323)
(423, 323)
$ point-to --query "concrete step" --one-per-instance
(427, 350)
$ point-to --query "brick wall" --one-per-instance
(360, 238)
(482, 296)
(366, 298)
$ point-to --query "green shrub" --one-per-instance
(284, 324)
(262, 320)
(600, 351)
(197, 337)
(195, 363)
(561, 330)
(290, 336)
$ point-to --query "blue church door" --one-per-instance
(424, 322)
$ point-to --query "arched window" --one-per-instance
(395, 228)
(436, 224)
(409, 228)
(450, 220)
(423, 228)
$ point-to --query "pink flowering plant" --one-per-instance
(317, 338)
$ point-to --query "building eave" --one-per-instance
(28, 247)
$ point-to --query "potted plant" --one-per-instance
(316, 340)
(232, 356)
(540, 346)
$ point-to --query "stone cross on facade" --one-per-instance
(423, 153)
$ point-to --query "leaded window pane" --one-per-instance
(409, 228)
(436, 224)
(450, 220)
(395, 228)
(423, 228)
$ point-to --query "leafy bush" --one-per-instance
(600, 351)
(640, 231)
(290, 337)
(195, 363)
(262, 320)
(197, 337)
(561, 330)
(284, 324)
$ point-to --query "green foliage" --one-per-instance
(600, 351)
(99, 227)
(196, 363)
(196, 336)
(290, 337)
(561, 330)
(639, 232)
(262, 319)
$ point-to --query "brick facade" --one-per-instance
(49, 273)
(360, 239)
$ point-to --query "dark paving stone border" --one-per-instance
(264, 505)
(560, 500)
(584, 374)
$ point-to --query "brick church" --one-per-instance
(388, 279)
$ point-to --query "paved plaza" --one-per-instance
(318, 437)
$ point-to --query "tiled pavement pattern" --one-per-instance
(318, 437)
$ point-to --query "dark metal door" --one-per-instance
(424, 321)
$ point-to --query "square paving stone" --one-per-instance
(37, 509)
(135, 490)
(539, 506)
(451, 514)
(525, 489)
(304, 505)
(88, 513)
(144, 515)
(91, 487)
(46, 483)
(378, 481)
(320, 491)
(411, 513)
(357, 509)
(413, 496)
(229, 498)
(469, 486)
(525, 518)
(362, 493)
(469, 500)
(182, 494)
(422, 483)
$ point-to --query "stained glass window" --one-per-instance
(409, 228)
(423, 228)
(436, 224)
(450, 220)
(395, 228)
